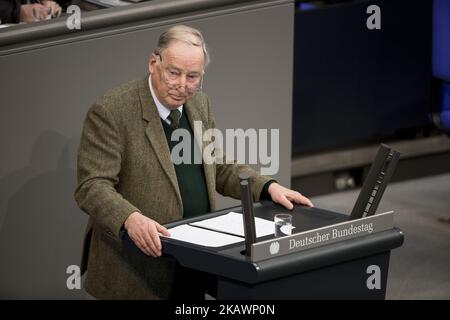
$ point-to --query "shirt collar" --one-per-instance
(162, 110)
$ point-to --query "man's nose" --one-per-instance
(182, 81)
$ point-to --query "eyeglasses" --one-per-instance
(172, 77)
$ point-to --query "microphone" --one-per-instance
(247, 212)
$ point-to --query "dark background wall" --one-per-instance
(359, 85)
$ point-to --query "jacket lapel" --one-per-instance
(193, 114)
(155, 133)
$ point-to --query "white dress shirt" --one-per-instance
(162, 110)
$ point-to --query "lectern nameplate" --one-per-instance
(322, 236)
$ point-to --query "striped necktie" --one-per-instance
(174, 118)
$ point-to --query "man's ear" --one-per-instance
(152, 63)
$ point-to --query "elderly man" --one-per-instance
(127, 180)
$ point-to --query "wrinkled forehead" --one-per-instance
(183, 55)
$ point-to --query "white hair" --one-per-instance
(182, 33)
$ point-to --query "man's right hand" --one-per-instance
(144, 233)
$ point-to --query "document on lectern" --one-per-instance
(202, 237)
(232, 223)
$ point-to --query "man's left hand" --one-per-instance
(285, 196)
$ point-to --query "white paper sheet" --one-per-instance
(202, 237)
(233, 223)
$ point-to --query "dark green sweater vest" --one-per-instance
(190, 176)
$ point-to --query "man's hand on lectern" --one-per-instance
(285, 196)
(145, 233)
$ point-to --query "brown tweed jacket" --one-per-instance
(124, 165)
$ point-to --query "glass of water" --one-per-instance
(283, 224)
